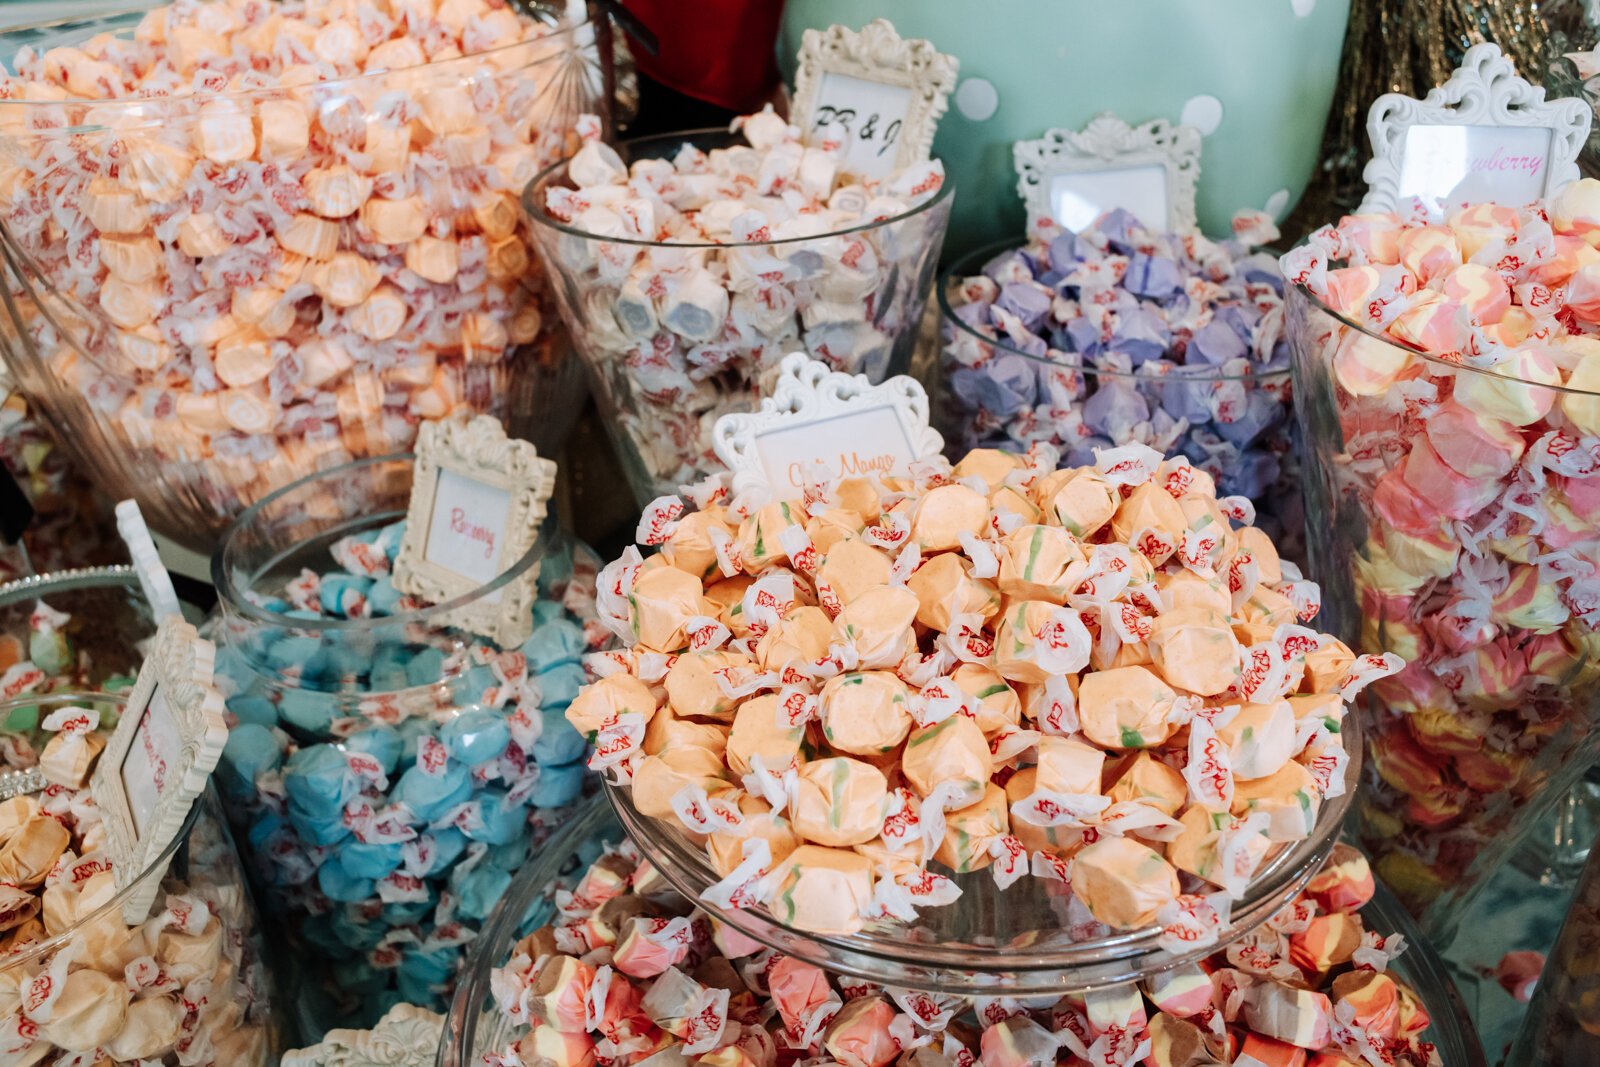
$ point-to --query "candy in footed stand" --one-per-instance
(183, 982)
(1121, 334)
(615, 973)
(389, 780)
(1092, 676)
(221, 347)
(693, 263)
(1456, 456)
(71, 524)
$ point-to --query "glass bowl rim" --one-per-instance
(46, 583)
(230, 595)
(947, 314)
(538, 214)
(72, 698)
(1489, 372)
(558, 27)
(1292, 867)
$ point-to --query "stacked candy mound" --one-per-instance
(184, 982)
(390, 781)
(1120, 334)
(1465, 486)
(630, 973)
(1090, 675)
(687, 280)
(292, 233)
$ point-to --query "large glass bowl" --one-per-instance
(1477, 579)
(216, 968)
(247, 341)
(994, 394)
(371, 923)
(990, 942)
(475, 1025)
(660, 390)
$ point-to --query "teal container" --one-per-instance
(1255, 76)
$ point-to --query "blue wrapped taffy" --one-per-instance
(391, 773)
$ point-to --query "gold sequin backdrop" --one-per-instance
(1410, 46)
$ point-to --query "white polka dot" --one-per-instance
(1302, 8)
(1203, 112)
(1277, 203)
(977, 99)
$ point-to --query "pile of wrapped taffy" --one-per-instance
(696, 275)
(387, 784)
(630, 973)
(1095, 675)
(293, 231)
(184, 981)
(1473, 479)
(1119, 334)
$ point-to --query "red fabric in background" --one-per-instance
(719, 51)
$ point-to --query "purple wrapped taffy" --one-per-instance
(1122, 334)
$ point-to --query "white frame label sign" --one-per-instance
(819, 416)
(1071, 177)
(477, 499)
(160, 757)
(886, 91)
(1486, 135)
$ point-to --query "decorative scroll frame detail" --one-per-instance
(809, 391)
(480, 451)
(406, 1036)
(181, 664)
(1484, 91)
(1109, 143)
(877, 53)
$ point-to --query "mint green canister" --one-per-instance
(1256, 77)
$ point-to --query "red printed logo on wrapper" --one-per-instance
(432, 756)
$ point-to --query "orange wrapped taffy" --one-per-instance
(947, 674)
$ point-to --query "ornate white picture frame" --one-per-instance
(1483, 96)
(913, 81)
(1071, 176)
(160, 757)
(820, 415)
(495, 489)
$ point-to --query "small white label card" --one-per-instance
(886, 92)
(820, 417)
(1072, 177)
(1484, 136)
(159, 758)
(477, 499)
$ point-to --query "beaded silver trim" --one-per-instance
(19, 783)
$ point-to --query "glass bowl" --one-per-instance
(382, 879)
(1493, 720)
(246, 340)
(990, 942)
(994, 394)
(661, 390)
(475, 1026)
(215, 967)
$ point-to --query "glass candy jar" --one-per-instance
(676, 333)
(221, 280)
(387, 770)
(1452, 522)
(181, 982)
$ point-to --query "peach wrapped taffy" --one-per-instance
(737, 1004)
(287, 235)
(1460, 364)
(945, 691)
